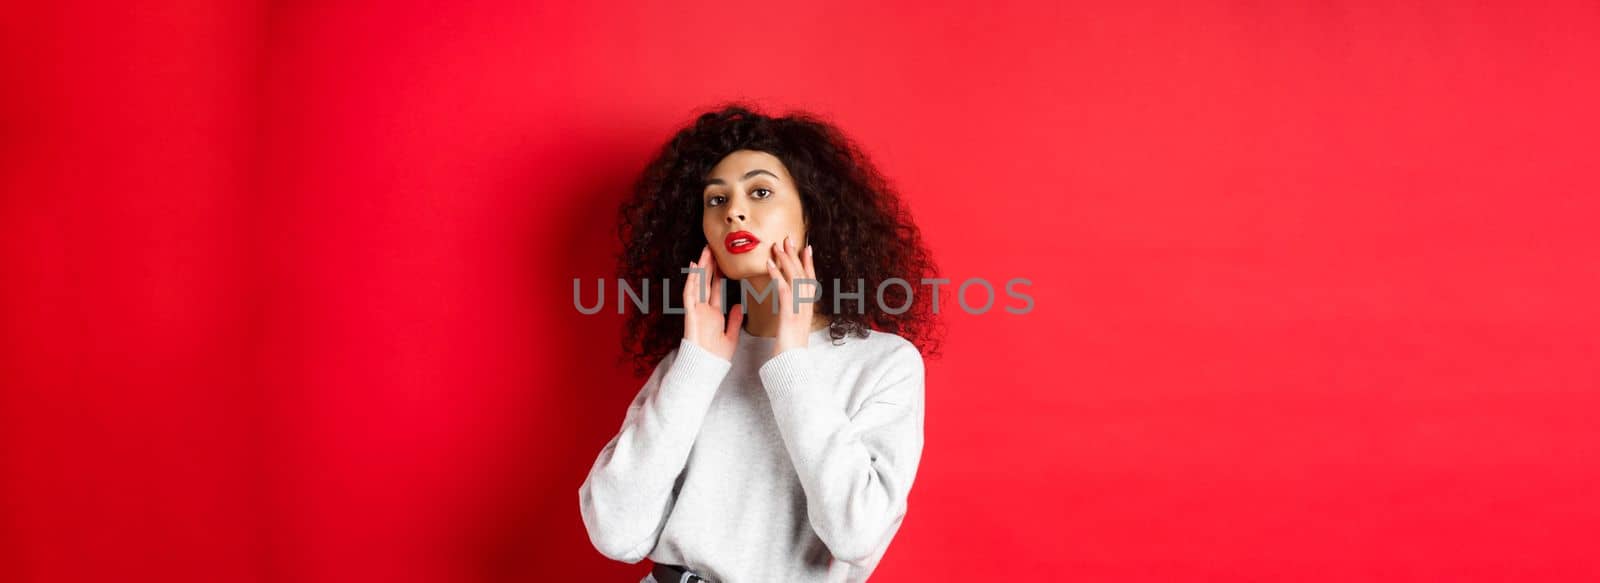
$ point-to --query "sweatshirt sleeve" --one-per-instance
(630, 489)
(856, 469)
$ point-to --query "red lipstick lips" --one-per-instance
(740, 242)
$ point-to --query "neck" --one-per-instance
(761, 315)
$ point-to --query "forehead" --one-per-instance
(734, 166)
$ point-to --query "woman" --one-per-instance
(778, 440)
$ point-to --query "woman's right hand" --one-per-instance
(703, 323)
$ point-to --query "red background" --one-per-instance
(287, 286)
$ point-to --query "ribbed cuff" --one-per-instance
(696, 361)
(692, 380)
(786, 374)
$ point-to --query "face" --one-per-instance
(749, 204)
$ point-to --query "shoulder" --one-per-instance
(891, 342)
(887, 352)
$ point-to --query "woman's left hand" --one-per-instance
(786, 265)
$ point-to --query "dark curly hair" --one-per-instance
(858, 226)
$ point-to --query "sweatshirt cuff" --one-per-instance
(696, 362)
(786, 374)
(692, 379)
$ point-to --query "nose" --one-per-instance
(733, 214)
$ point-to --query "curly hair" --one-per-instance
(859, 227)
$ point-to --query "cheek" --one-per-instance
(795, 225)
(708, 229)
(782, 218)
(712, 229)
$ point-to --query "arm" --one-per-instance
(856, 470)
(630, 489)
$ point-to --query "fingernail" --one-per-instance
(808, 249)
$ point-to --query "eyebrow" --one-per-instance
(747, 176)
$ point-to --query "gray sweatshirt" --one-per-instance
(787, 468)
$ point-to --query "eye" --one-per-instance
(716, 200)
(761, 193)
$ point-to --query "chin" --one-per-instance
(743, 266)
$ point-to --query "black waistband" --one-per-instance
(665, 573)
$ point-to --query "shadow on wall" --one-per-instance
(526, 525)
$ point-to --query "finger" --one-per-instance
(688, 287)
(782, 285)
(795, 270)
(716, 282)
(735, 317)
(796, 258)
(789, 261)
(775, 269)
(716, 292)
(781, 259)
(808, 263)
(776, 273)
(705, 274)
